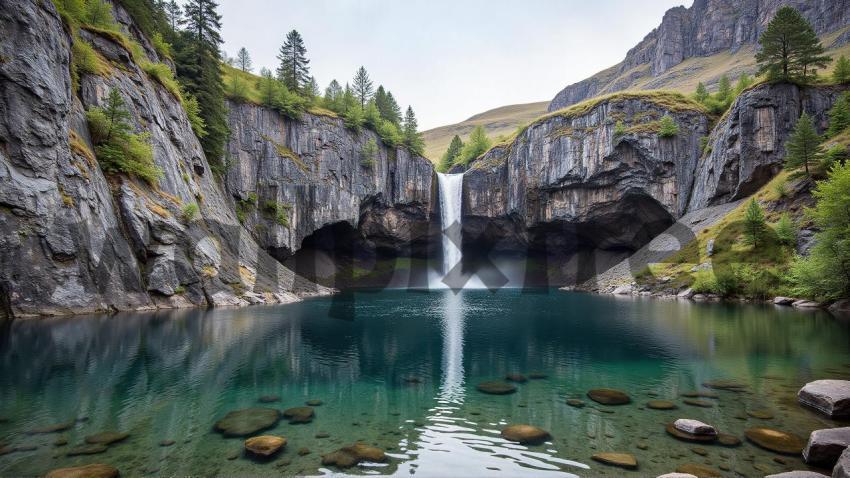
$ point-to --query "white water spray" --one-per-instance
(451, 190)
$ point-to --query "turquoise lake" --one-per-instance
(399, 370)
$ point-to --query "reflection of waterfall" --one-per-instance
(450, 191)
(451, 389)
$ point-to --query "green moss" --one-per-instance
(190, 212)
(287, 153)
(163, 74)
(278, 211)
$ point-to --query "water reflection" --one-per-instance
(452, 387)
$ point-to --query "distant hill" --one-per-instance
(498, 121)
(703, 42)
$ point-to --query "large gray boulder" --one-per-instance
(842, 468)
(797, 474)
(825, 446)
(830, 397)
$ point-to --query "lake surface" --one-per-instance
(398, 369)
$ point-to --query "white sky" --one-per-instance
(448, 59)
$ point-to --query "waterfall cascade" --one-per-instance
(450, 190)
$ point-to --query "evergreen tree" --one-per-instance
(312, 88)
(701, 94)
(333, 97)
(393, 110)
(243, 60)
(668, 127)
(841, 74)
(839, 115)
(789, 47)
(451, 154)
(786, 233)
(267, 87)
(724, 90)
(199, 69)
(381, 102)
(411, 136)
(174, 14)
(371, 115)
(293, 70)
(477, 144)
(803, 148)
(348, 99)
(362, 86)
(754, 224)
(744, 82)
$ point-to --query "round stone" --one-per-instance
(96, 470)
(496, 388)
(685, 436)
(760, 414)
(313, 403)
(247, 421)
(776, 440)
(106, 438)
(299, 414)
(574, 402)
(700, 471)
(86, 450)
(349, 456)
(609, 396)
(525, 434)
(726, 439)
(661, 405)
(265, 445)
(166, 442)
(269, 399)
(697, 403)
(622, 460)
(516, 377)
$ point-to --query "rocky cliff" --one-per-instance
(316, 171)
(706, 28)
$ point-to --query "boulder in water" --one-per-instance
(830, 397)
(608, 396)
(622, 460)
(299, 414)
(265, 445)
(797, 474)
(269, 399)
(694, 427)
(95, 470)
(247, 421)
(825, 446)
(59, 427)
(516, 377)
(699, 470)
(661, 405)
(313, 403)
(349, 456)
(86, 450)
(776, 440)
(574, 402)
(525, 434)
(496, 388)
(106, 438)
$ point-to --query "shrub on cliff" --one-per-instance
(839, 115)
(117, 148)
(825, 273)
(668, 128)
(841, 74)
(451, 155)
(477, 144)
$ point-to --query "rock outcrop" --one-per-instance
(706, 28)
(74, 240)
(314, 168)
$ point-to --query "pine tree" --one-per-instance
(267, 87)
(394, 111)
(199, 69)
(333, 97)
(477, 144)
(243, 60)
(754, 224)
(293, 70)
(803, 148)
(839, 115)
(371, 115)
(841, 74)
(312, 88)
(451, 154)
(789, 47)
(786, 233)
(724, 90)
(381, 102)
(412, 137)
(362, 86)
(174, 14)
(701, 94)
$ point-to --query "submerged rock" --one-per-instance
(830, 397)
(694, 427)
(86, 450)
(314, 403)
(106, 438)
(729, 385)
(167, 443)
(661, 405)
(525, 434)
(825, 446)
(726, 439)
(537, 376)
(685, 436)
(496, 388)
(797, 474)
(96, 470)
(776, 440)
(516, 377)
(609, 396)
(694, 402)
(299, 414)
(574, 402)
(349, 456)
(265, 445)
(247, 421)
(700, 471)
(622, 460)
(269, 399)
(700, 394)
(760, 414)
(59, 427)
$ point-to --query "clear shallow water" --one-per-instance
(170, 376)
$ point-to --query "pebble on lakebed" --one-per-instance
(496, 387)
(525, 434)
(247, 421)
(299, 414)
(622, 460)
(348, 456)
(265, 445)
(609, 396)
(776, 440)
(96, 470)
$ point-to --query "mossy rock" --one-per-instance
(299, 414)
(269, 399)
(622, 460)
(525, 434)
(247, 421)
(776, 440)
(59, 427)
(609, 396)
(496, 388)
(728, 385)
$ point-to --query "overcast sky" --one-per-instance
(449, 59)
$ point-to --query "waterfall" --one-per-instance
(450, 189)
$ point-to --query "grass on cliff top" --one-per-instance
(241, 86)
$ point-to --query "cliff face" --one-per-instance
(706, 28)
(74, 240)
(315, 169)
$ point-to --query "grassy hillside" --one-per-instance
(497, 122)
